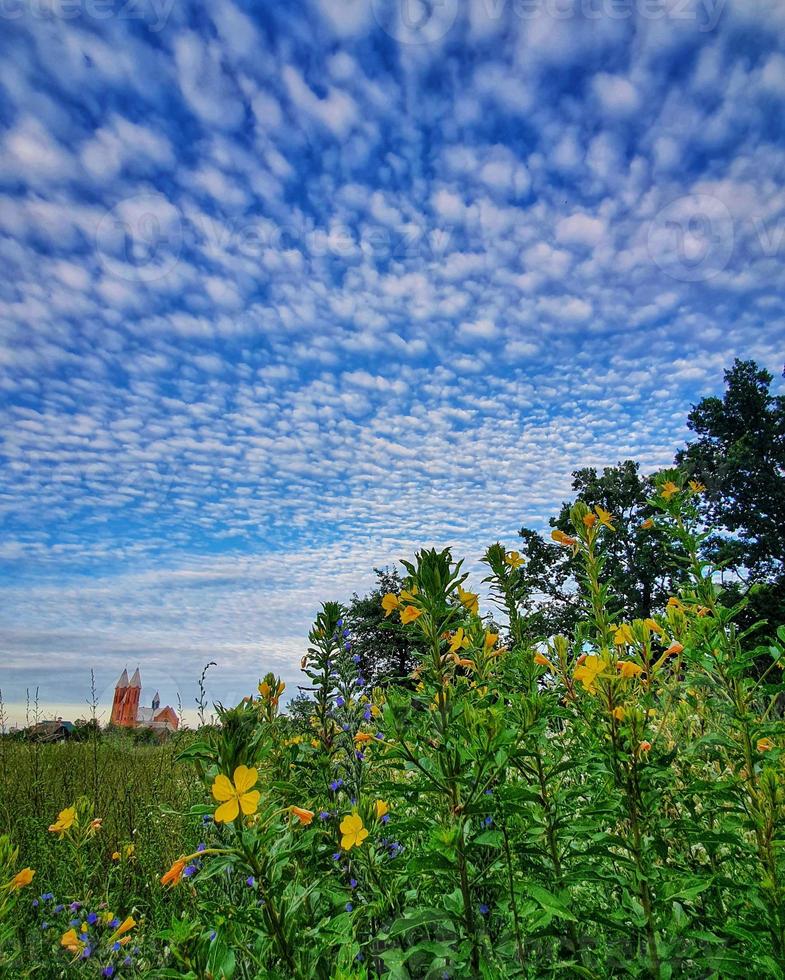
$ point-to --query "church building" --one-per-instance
(128, 713)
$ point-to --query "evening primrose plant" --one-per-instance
(603, 802)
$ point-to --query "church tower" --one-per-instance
(156, 702)
(131, 700)
(120, 689)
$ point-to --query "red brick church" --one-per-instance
(127, 713)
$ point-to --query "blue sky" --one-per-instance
(291, 290)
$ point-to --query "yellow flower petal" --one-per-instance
(245, 778)
(222, 788)
(228, 811)
(249, 802)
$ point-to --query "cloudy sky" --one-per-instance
(289, 290)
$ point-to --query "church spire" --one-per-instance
(136, 680)
(123, 682)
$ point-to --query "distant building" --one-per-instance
(127, 712)
(56, 730)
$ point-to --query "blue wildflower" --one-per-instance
(484, 910)
(349, 906)
(92, 918)
(108, 971)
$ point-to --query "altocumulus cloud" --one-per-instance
(290, 292)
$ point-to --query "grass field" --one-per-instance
(138, 792)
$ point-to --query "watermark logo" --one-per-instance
(415, 21)
(691, 239)
(140, 239)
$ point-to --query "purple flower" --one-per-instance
(59, 909)
(87, 952)
(352, 883)
(116, 946)
(386, 818)
(356, 658)
(489, 792)
(114, 923)
(189, 869)
(206, 817)
(349, 906)
(108, 971)
(250, 881)
(336, 784)
(367, 713)
(92, 918)
(339, 701)
(337, 856)
(127, 961)
(484, 910)
(488, 821)
(379, 736)
(346, 632)
(201, 847)
(35, 903)
(213, 934)
(44, 925)
(47, 897)
(360, 682)
(324, 815)
(360, 756)
(340, 622)
(75, 906)
(73, 922)
(347, 646)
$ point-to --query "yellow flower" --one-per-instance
(588, 672)
(304, 816)
(381, 809)
(362, 737)
(628, 669)
(459, 640)
(64, 822)
(589, 520)
(619, 713)
(696, 487)
(408, 594)
(674, 649)
(623, 635)
(605, 517)
(644, 746)
(390, 603)
(654, 626)
(237, 796)
(490, 641)
(765, 745)
(675, 603)
(125, 926)
(21, 879)
(561, 538)
(513, 559)
(409, 614)
(353, 832)
(269, 692)
(469, 600)
(72, 942)
(174, 874)
(543, 661)
(647, 524)
(669, 489)
(115, 855)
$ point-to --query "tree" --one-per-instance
(384, 646)
(637, 566)
(740, 457)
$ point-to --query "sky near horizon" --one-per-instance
(290, 290)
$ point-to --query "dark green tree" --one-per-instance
(382, 644)
(739, 456)
(637, 566)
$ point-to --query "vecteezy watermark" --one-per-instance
(153, 13)
(140, 239)
(415, 21)
(429, 21)
(691, 239)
